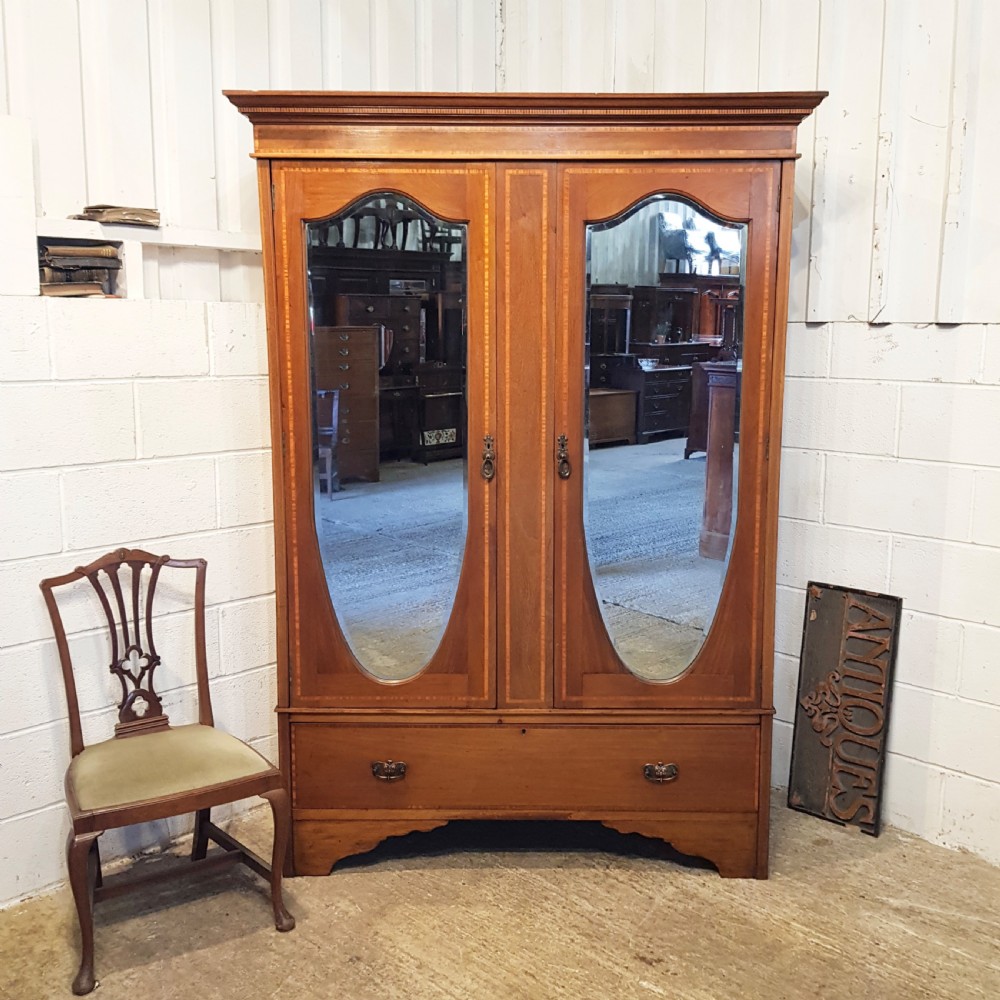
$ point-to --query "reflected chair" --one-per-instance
(150, 770)
(327, 429)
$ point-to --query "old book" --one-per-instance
(75, 289)
(72, 263)
(91, 250)
(120, 215)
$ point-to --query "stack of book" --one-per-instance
(73, 269)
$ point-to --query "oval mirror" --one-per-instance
(664, 325)
(387, 344)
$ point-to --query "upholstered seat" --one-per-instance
(168, 762)
(151, 770)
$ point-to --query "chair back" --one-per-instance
(327, 416)
(126, 593)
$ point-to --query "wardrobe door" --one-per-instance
(661, 545)
(385, 330)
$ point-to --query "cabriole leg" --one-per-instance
(78, 855)
(278, 799)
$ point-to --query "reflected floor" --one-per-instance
(393, 551)
(657, 594)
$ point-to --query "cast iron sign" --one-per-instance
(842, 710)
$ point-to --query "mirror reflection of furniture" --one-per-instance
(610, 319)
(347, 359)
(150, 770)
(723, 379)
(697, 437)
(612, 416)
(713, 301)
(327, 421)
(441, 414)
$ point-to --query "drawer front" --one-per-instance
(356, 351)
(608, 362)
(656, 422)
(659, 382)
(401, 307)
(447, 380)
(671, 403)
(548, 769)
(362, 309)
(359, 433)
(361, 408)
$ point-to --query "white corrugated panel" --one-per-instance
(732, 31)
(789, 53)
(350, 37)
(119, 131)
(679, 32)
(970, 250)
(295, 40)
(912, 160)
(43, 85)
(240, 61)
(183, 98)
(635, 47)
(850, 55)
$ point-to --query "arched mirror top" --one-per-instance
(388, 220)
(664, 335)
(387, 282)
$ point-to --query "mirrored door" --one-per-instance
(388, 355)
(663, 338)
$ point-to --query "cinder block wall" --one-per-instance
(890, 482)
(141, 423)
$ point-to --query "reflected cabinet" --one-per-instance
(526, 357)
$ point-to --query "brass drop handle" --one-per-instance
(489, 469)
(562, 458)
(389, 770)
(660, 773)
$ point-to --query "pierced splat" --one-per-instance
(139, 709)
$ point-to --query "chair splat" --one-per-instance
(140, 709)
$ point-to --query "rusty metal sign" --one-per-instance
(842, 710)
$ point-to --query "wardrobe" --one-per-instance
(533, 626)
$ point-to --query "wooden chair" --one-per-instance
(150, 770)
(327, 429)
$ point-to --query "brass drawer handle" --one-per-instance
(345, 336)
(369, 309)
(389, 770)
(563, 467)
(344, 352)
(660, 773)
(344, 368)
(489, 469)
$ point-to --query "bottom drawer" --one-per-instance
(653, 423)
(543, 769)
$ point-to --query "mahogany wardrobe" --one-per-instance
(526, 362)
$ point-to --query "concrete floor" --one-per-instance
(546, 912)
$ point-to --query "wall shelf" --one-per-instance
(135, 239)
(165, 236)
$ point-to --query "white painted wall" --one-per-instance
(144, 421)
